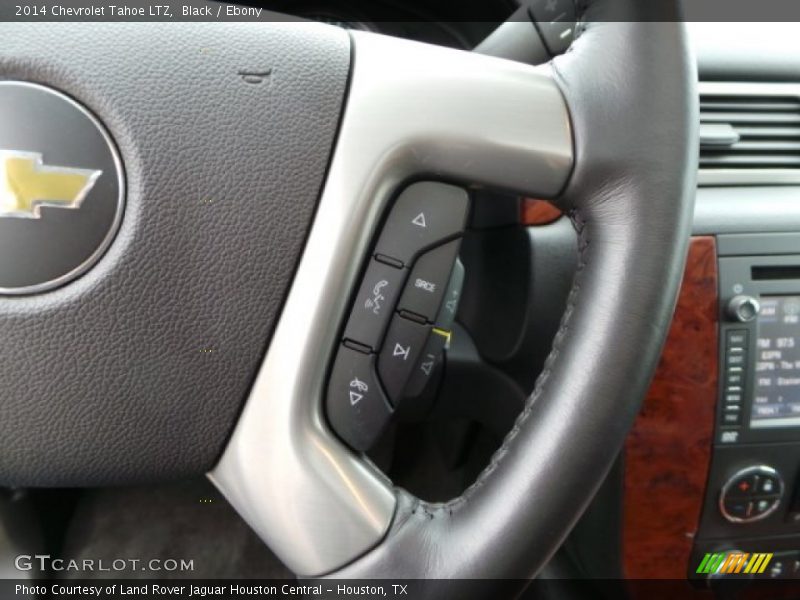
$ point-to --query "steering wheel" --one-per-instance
(256, 162)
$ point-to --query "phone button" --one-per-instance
(374, 304)
(356, 405)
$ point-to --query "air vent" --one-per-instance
(749, 133)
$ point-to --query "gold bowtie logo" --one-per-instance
(27, 184)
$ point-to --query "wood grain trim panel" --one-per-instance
(668, 451)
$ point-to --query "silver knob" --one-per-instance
(743, 308)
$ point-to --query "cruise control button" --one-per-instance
(428, 281)
(421, 374)
(374, 304)
(424, 214)
(401, 351)
(356, 406)
(452, 296)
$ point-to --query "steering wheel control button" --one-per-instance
(401, 352)
(425, 214)
(751, 494)
(374, 304)
(431, 354)
(452, 297)
(428, 281)
(61, 189)
(356, 406)
(743, 308)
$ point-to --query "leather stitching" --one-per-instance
(431, 510)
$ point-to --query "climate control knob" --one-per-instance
(743, 308)
(751, 494)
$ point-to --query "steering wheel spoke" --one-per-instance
(412, 110)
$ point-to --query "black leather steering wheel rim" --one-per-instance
(630, 198)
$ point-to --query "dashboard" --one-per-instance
(712, 466)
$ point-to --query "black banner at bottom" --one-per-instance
(329, 589)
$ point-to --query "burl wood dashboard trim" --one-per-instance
(668, 451)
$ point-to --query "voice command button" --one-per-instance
(374, 304)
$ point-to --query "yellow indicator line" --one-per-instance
(443, 333)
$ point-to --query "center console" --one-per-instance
(752, 500)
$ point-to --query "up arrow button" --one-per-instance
(425, 214)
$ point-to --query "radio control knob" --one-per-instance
(751, 494)
(743, 308)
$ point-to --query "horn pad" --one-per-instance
(136, 370)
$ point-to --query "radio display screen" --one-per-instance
(776, 385)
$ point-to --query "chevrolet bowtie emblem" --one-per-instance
(27, 184)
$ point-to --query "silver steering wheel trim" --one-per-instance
(412, 110)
